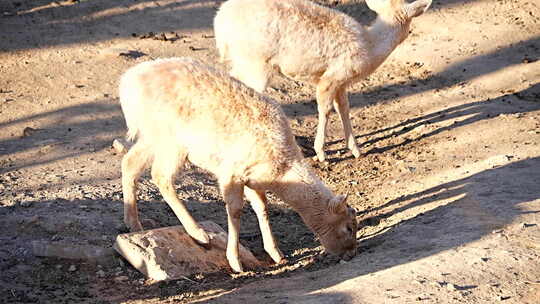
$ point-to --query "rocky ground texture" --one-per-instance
(447, 187)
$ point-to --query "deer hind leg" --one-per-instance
(164, 170)
(233, 195)
(341, 105)
(325, 96)
(133, 165)
(259, 204)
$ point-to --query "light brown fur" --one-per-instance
(311, 43)
(179, 109)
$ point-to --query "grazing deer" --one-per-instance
(179, 109)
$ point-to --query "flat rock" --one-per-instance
(170, 253)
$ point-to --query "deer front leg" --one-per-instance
(325, 95)
(341, 104)
(258, 203)
(233, 195)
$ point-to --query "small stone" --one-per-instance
(120, 146)
(121, 278)
(100, 273)
(450, 287)
(147, 35)
(28, 131)
(172, 36)
(26, 204)
(72, 268)
(436, 284)
(160, 36)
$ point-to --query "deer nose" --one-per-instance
(348, 255)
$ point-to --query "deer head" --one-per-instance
(340, 236)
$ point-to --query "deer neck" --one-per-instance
(306, 194)
(385, 34)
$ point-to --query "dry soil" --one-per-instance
(447, 189)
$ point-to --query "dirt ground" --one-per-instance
(448, 188)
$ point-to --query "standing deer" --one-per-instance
(311, 43)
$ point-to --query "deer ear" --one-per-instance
(417, 8)
(338, 204)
